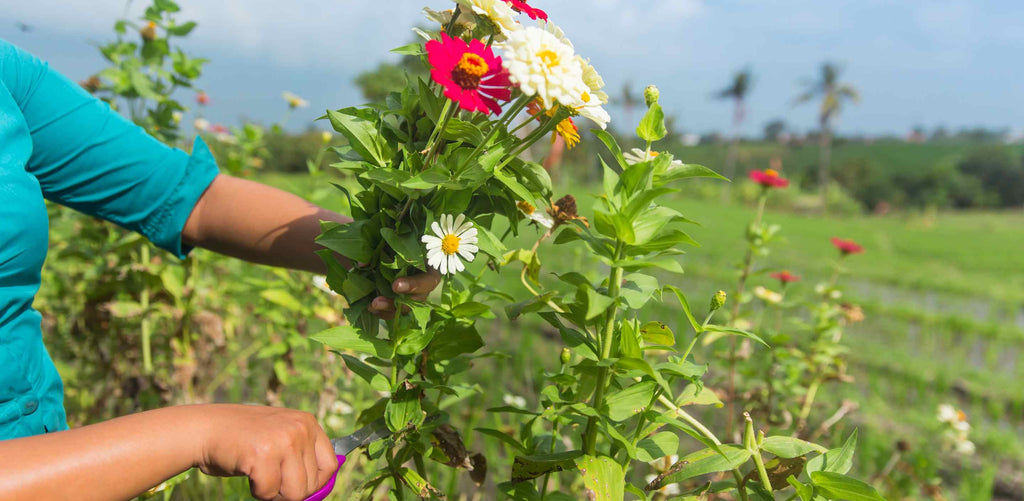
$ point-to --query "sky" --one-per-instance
(954, 63)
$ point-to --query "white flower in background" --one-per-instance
(947, 414)
(544, 66)
(535, 215)
(452, 238)
(962, 426)
(514, 401)
(294, 101)
(341, 407)
(636, 155)
(662, 464)
(201, 124)
(767, 295)
(320, 282)
(499, 12)
(965, 447)
(176, 117)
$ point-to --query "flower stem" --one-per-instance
(614, 283)
(762, 472)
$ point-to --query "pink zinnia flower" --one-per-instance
(202, 98)
(785, 277)
(470, 73)
(219, 129)
(769, 178)
(847, 247)
(533, 12)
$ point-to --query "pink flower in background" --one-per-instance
(847, 247)
(769, 178)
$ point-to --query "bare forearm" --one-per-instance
(113, 460)
(258, 223)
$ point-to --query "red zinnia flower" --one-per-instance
(202, 98)
(769, 178)
(785, 277)
(533, 12)
(219, 129)
(470, 73)
(847, 247)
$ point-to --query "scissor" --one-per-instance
(344, 446)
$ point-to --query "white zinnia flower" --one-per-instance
(455, 237)
(201, 124)
(545, 66)
(514, 401)
(320, 282)
(499, 12)
(590, 103)
(294, 101)
(637, 155)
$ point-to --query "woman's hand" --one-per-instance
(285, 453)
(417, 286)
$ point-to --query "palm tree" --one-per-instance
(629, 100)
(737, 91)
(833, 93)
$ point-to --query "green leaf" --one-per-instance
(738, 332)
(378, 381)
(666, 263)
(413, 49)
(657, 333)
(639, 364)
(652, 126)
(281, 298)
(347, 240)
(839, 486)
(789, 447)
(489, 243)
(453, 341)
(628, 402)
(421, 487)
(404, 408)
(346, 337)
(629, 341)
(686, 307)
(836, 460)
(361, 134)
(602, 477)
(694, 395)
(685, 171)
(638, 289)
(181, 30)
(805, 492)
(609, 141)
(470, 309)
(657, 446)
(529, 467)
(504, 437)
(710, 461)
(407, 246)
(597, 303)
(459, 130)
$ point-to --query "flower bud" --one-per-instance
(148, 33)
(326, 137)
(651, 95)
(718, 300)
(749, 440)
(566, 356)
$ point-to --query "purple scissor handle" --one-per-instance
(345, 445)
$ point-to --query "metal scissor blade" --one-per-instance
(370, 433)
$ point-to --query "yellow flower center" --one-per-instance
(771, 172)
(470, 69)
(654, 154)
(526, 207)
(549, 57)
(586, 97)
(450, 244)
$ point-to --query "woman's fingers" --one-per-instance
(417, 285)
(294, 481)
(383, 307)
(326, 460)
(265, 481)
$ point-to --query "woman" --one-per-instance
(58, 142)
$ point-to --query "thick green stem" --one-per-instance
(762, 472)
(614, 283)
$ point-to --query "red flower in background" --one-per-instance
(470, 73)
(202, 98)
(785, 277)
(533, 12)
(769, 178)
(847, 247)
(219, 129)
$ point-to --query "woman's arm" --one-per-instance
(265, 225)
(285, 454)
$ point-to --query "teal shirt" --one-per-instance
(59, 143)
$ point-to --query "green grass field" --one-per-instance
(943, 294)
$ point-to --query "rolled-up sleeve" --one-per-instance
(88, 157)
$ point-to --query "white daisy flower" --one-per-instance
(453, 237)
(201, 124)
(514, 401)
(293, 100)
(947, 414)
(545, 66)
(320, 282)
(535, 215)
(767, 295)
(499, 12)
